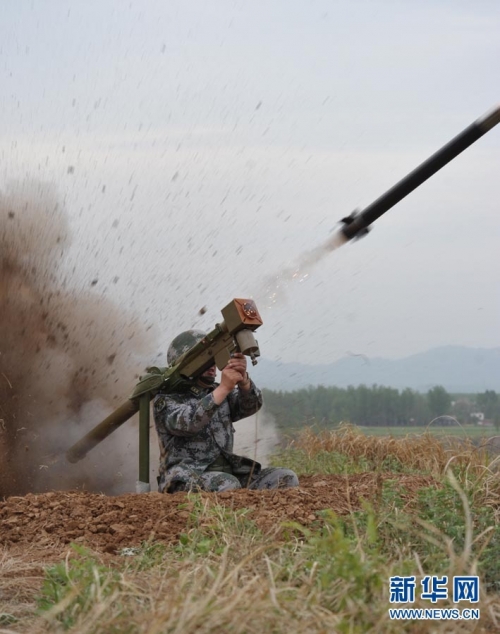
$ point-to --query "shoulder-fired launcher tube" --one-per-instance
(121, 415)
(357, 223)
(234, 334)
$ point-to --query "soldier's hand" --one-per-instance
(230, 377)
(238, 362)
(235, 373)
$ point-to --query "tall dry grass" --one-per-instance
(476, 468)
(423, 452)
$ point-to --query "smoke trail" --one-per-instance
(274, 288)
(67, 356)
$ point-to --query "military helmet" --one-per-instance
(182, 343)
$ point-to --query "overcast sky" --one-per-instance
(211, 143)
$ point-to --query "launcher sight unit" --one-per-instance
(234, 334)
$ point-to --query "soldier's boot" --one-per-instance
(275, 478)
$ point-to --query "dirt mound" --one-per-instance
(108, 524)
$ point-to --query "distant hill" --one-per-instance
(456, 368)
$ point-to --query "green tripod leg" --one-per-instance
(142, 485)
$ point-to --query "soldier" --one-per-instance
(195, 430)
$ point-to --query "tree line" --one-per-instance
(379, 406)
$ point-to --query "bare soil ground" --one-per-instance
(48, 522)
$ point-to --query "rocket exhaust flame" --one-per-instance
(275, 286)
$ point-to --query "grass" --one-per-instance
(224, 574)
(460, 431)
(348, 450)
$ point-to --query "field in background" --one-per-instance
(461, 431)
(317, 559)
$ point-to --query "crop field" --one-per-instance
(313, 559)
(460, 431)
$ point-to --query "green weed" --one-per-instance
(213, 529)
(71, 588)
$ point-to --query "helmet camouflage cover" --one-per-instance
(182, 343)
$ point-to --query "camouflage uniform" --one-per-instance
(196, 443)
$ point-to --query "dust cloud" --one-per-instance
(257, 436)
(68, 356)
